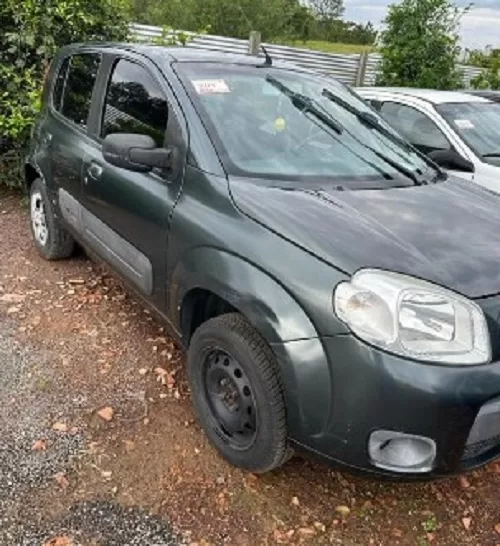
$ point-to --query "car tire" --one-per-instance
(52, 241)
(237, 393)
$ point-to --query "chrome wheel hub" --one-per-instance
(38, 218)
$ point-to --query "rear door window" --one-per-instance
(78, 87)
(135, 103)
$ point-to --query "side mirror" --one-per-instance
(451, 160)
(135, 152)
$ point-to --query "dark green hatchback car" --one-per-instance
(334, 290)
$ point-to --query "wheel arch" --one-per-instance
(238, 285)
(31, 173)
(198, 306)
(34, 170)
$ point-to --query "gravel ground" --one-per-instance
(33, 454)
(101, 523)
(24, 420)
(99, 447)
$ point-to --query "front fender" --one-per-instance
(261, 299)
(278, 317)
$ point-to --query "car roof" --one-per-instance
(486, 93)
(170, 54)
(429, 95)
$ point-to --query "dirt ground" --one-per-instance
(99, 446)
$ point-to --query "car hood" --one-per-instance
(447, 233)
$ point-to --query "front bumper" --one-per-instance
(340, 390)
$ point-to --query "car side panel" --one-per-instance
(127, 260)
(66, 150)
(428, 110)
(58, 154)
(39, 153)
(206, 218)
(128, 213)
(214, 247)
(264, 302)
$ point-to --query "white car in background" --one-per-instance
(460, 132)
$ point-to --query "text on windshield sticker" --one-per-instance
(211, 87)
(464, 124)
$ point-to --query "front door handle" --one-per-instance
(94, 171)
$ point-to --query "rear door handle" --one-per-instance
(47, 139)
(94, 171)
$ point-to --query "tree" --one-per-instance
(420, 46)
(301, 23)
(490, 63)
(277, 20)
(31, 33)
(223, 17)
(327, 14)
(327, 10)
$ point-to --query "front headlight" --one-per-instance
(413, 318)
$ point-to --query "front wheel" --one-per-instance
(237, 393)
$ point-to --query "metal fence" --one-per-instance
(469, 73)
(353, 69)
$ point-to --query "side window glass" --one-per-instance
(58, 90)
(418, 128)
(80, 82)
(134, 103)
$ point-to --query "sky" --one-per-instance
(480, 27)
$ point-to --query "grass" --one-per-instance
(328, 47)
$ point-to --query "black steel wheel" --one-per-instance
(237, 393)
(229, 395)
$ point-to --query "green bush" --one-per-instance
(31, 33)
(490, 63)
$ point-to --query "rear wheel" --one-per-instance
(237, 393)
(52, 241)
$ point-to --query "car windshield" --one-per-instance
(280, 124)
(478, 123)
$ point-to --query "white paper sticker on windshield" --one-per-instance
(211, 87)
(464, 124)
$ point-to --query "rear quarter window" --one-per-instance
(60, 80)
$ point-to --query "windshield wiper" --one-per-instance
(398, 167)
(305, 104)
(491, 154)
(440, 176)
(371, 120)
(367, 118)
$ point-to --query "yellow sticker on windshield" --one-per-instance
(280, 124)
